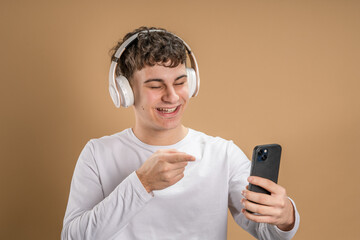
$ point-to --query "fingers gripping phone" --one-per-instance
(265, 163)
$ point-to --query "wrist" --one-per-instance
(289, 224)
(286, 227)
(143, 181)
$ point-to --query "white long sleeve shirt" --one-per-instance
(108, 201)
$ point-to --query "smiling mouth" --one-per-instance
(167, 110)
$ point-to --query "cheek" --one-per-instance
(150, 98)
(184, 93)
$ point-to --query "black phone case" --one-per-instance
(268, 168)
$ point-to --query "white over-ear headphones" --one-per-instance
(119, 87)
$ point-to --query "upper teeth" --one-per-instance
(167, 110)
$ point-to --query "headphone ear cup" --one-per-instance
(191, 76)
(125, 91)
(114, 95)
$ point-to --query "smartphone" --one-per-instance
(265, 163)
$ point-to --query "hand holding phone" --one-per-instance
(277, 209)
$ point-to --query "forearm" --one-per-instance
(108, 217)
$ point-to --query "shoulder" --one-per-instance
(109, 142)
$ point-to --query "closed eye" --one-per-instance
(180, 83)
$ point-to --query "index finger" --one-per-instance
(179, 157)
(167, 150)
(264, 183)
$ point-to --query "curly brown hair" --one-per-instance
(149, 49)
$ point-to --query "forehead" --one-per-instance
(159, 72)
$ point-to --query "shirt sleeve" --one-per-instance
(91, 215)
(239, 171)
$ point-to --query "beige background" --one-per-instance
(271, 71)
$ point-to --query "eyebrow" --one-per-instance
(161, 80)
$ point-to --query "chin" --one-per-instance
(170, 125)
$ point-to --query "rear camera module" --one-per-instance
(263, 154)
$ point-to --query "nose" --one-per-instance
(170, 95)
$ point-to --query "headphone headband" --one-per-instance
(114, 62)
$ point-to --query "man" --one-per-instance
(160, 179)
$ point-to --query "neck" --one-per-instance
(160, 137)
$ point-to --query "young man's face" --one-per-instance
(161, 95)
